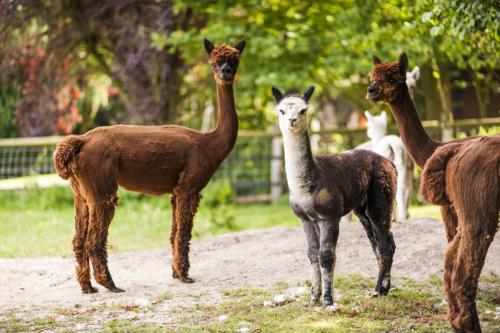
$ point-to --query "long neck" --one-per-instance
(376, 139)
(299, 161)
(419, 145)
(224, 136)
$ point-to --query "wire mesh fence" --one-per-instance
(249, 167)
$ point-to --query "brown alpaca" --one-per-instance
(463, 176)
(148, 159)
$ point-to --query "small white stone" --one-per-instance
(297, 291)
(80, 326)
(332, 308)
(223, 317)
(243, 329)
(143, 302)
(280, 299)
(268, 303)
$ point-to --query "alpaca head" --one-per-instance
(388, 80)
(412, 78)
(292, 109)
(376, 128)
(224, 60)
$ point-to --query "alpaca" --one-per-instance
(147, 159)
(412, 78)
(324, 188)
(391, 146)
(463, 176)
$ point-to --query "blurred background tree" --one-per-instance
(67, 65)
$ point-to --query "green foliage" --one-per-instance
(8, 100)
(290, 44)
(217, 197)
(483, 130)
(329, 44)
(40, 221)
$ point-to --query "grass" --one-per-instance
(39, 222)
(413, 306)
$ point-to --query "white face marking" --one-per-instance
(292, 114)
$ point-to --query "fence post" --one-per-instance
(276, 162)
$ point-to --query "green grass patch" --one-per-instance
(38, 222)
(16, 324)
(411, 307)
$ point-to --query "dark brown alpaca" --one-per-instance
(325, 188)
(148, 159)
(463, 176)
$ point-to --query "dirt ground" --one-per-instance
(35, 287)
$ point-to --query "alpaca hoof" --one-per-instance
(379, 293)
(327, 301)
(175, 275)
(115, 289)
(314, 300)
(89, 290)
(186, 279)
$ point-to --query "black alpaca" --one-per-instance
(324, 188)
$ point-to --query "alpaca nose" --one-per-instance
(292, 121)
(372, 88)
(226, 68)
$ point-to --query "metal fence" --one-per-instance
(248, 168)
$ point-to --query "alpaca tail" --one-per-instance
(433, 181)
(66, 151)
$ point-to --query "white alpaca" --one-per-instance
(392, 147)
(412, 78)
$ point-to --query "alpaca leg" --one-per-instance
(82, 257)
(449, 262)
(383, 247)
(450, 221)
(329, 234)
(101, 214)
(173, 233)
(408, 188)
(367, 225)
(400, 196)
(311, 230)
(186, 207)
(379, 212)
(471, 252)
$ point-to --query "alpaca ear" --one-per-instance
(415, 73)
(241, 46)
(278, 96)
(368, 115)
(308, 93)
(403, 64)
(209, 47)
(376, 60)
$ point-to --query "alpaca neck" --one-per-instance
(419, 145)
(376, 139)
(299, 161)
(224, 136)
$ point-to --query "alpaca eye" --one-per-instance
(301, 112)
(282, 112)
(391, 81)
